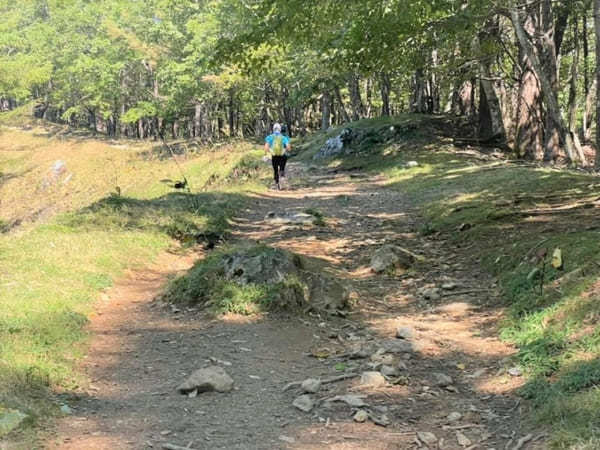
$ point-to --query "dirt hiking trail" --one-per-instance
(452, 390)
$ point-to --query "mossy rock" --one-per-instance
(252, 278)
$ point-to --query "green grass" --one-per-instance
(52, 270)
(493, 213)
(318, 215)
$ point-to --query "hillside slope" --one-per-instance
(510, 217)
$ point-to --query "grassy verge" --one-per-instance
(506, 216)
(53, 266)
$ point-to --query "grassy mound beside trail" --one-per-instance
(511, 217)
(207, 284)
(54, 265)
(252, 278)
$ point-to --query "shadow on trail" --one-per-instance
(182, 216)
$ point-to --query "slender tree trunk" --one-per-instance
(385, 93)
(597, 32)
(419, 102)
(586, 75)
(231, 113)
(325, 110)
(369, 86)
(196, 130)
(434, 89)
(572, 122)
(491, 124)
(340, 101)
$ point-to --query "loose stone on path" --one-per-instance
(213, 378)
(304, 403)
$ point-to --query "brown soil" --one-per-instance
(141, 350)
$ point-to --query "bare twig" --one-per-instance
(521, 442)
(346, 376)
(167, 446)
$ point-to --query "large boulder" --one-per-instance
(391, 257)
(258, 277)
(336, 145)
(263, 266)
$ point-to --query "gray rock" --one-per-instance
(442, 380)
(463, 440)
(264, 265)
(360, 353)
(402, 365)
(430, 293)
(65, 409)
(427, 437)
(374, 365)
(450, 286)
(290, 218)
(336, 145)
(372, 379)
(213, 378)
(390, 371)
(391, 256)
(382, 421)
(356, 401)
(412, 164)
(454, 417)
(268, 266)
(515, 372)
(311, 385)
(361, 416)
(404, 333)
(397, 346)
(381, 357)
(304, 403)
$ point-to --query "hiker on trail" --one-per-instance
(277, 145)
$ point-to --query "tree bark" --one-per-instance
(528, 133)
(419, 101)
(325, 110)
(197, 131)
(358, 108)
(491, 123)
(385, 93)
(231, 114)
(597, 32)
(586, 75)
(558, 129)
(340, 101)
(572, 122)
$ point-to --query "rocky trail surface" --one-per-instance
(414, 364)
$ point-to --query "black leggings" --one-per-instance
(279, 166)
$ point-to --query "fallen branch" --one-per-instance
(168, 446)
(473, 291)
(462, 427)
(325, 381)
(521, 442)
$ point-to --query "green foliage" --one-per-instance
(318, 215)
